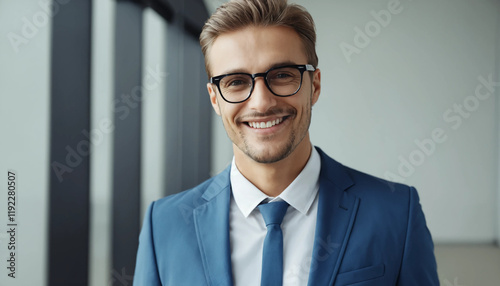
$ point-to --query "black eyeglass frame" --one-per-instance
(302, 68)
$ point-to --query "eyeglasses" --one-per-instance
(281, 81)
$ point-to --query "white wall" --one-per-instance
(101, 157)
(154, 102)
(498, 127)
(24, 129)
(395, 89)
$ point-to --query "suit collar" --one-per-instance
(337, 211)
(219, 183)
(334, 172)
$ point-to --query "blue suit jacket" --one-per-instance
(369, 232)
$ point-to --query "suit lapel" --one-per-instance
(212, 230)
(337, 211)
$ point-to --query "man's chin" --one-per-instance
(267, 156)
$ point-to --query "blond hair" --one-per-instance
(238, 14)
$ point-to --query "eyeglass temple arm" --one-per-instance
(310, 67)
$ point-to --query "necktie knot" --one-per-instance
(273, 213)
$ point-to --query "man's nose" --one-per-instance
(262, 99)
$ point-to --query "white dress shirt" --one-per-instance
(247, 228)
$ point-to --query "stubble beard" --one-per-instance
(265, 157)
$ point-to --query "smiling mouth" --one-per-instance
(266, 124)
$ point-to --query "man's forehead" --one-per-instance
(255, 49)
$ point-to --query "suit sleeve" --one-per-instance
(146, 269)
(419, 264)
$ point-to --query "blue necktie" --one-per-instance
(272, 255)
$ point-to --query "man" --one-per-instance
(283, 213)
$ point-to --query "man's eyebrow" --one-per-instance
(242, 70)
(287, 63)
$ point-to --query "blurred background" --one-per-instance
(104, 109)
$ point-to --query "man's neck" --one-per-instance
(273, 178)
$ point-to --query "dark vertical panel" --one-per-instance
(193, 12)
(173, 117)
(205, 121)
(197, 116)
(190, 114)
(188, 117)
(69, 147)
(127, 136)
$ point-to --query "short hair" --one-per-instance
(238, 14)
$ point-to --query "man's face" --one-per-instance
(255, 50)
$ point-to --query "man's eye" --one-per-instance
(283, 75)
(237, 82)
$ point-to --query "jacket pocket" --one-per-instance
(360, 275)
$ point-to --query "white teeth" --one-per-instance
(261, 125)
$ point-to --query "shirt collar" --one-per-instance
(299, 194)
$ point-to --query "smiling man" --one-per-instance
(283, 213)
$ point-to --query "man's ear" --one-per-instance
(213, 97)
(316, 85)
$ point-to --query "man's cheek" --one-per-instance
(227, 124)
